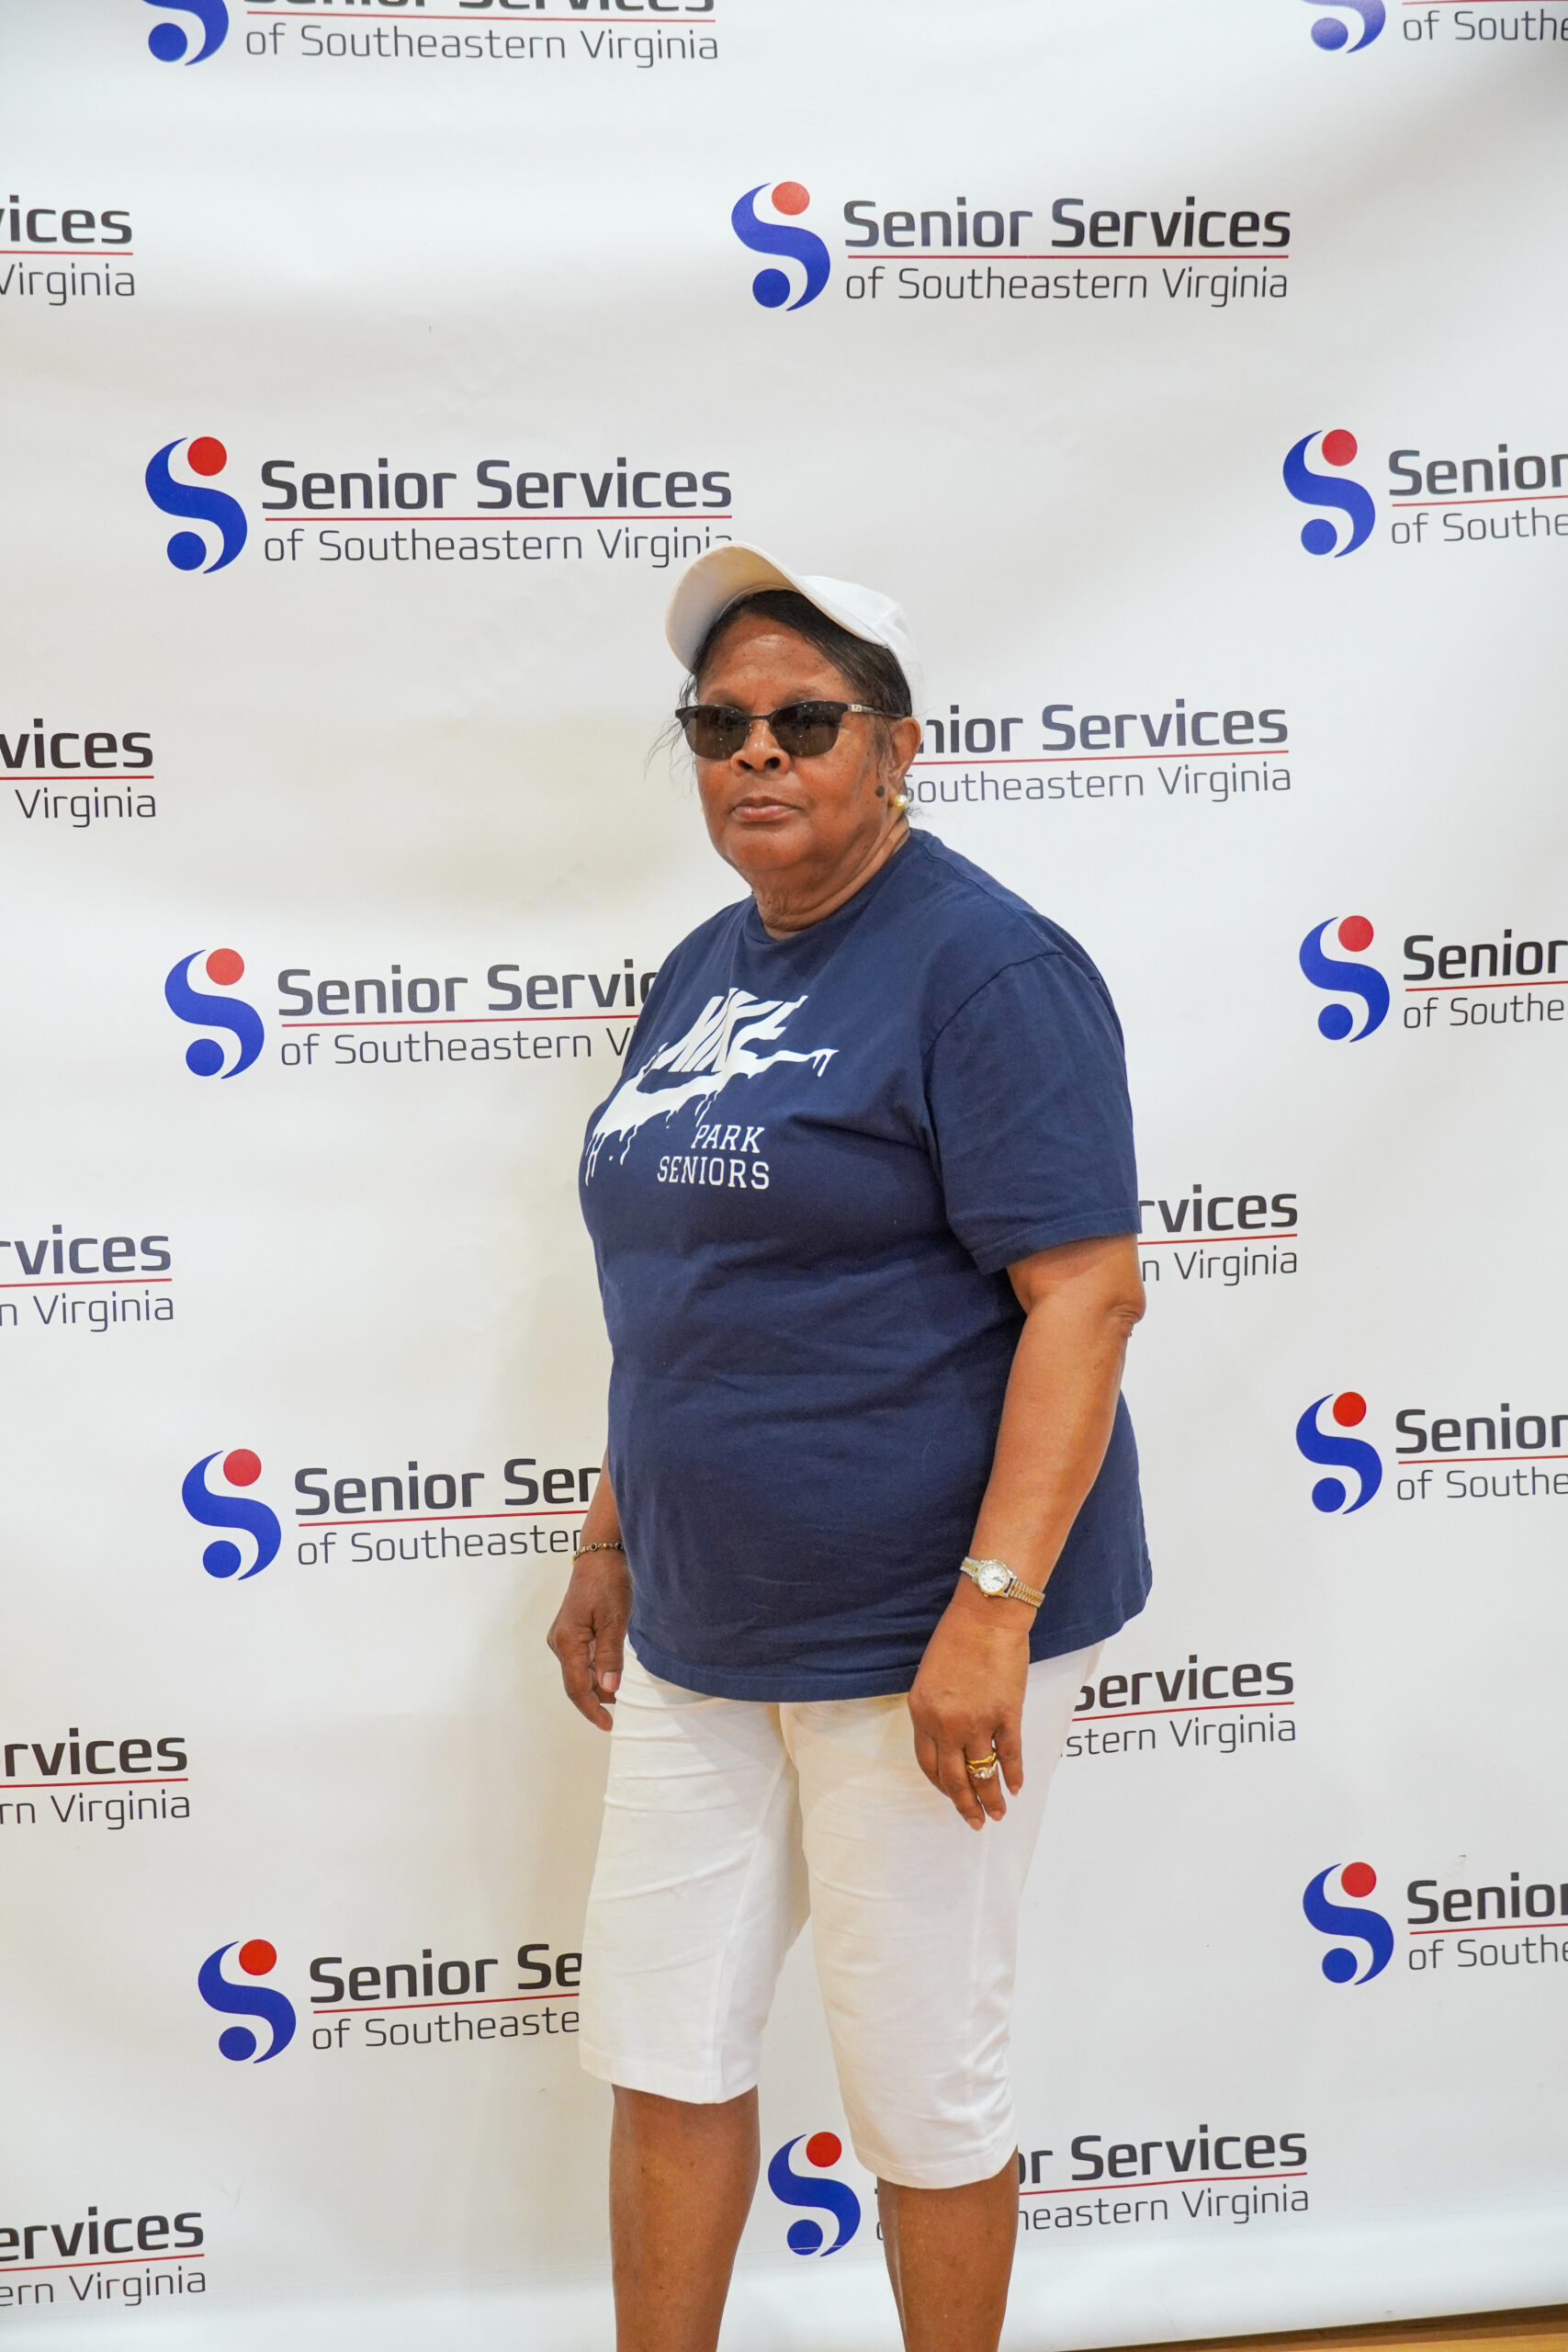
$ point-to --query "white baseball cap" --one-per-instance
(717, 580)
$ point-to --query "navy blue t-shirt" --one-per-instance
(803, 1198)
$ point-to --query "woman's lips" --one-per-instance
(759, 807)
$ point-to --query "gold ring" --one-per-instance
(981, 1768)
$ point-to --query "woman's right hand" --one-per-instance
(589, 1634)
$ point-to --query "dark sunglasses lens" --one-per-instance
(714, 732)
(809, 728)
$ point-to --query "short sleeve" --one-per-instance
(1027, 1090)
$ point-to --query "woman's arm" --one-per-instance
(589, 1633)
(1081, 1303)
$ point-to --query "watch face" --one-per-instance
(994, 1579)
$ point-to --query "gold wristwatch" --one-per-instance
(998, 1582)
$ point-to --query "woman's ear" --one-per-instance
(904, 741)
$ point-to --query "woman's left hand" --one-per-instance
(968, 1697)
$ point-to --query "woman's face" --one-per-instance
(795, 823)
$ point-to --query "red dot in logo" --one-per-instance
(257, 1957)
(1349, 1409)
(1355, 932)
(207, 455)
(824, 2148)
(790, 197)
(225, 967)
(1338, 448)
(242, 1468)
(1357, 1878)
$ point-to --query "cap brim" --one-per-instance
(717, 579)
(710, 585)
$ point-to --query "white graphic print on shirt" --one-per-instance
(719, 1046)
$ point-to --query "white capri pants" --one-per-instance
(726, 1821)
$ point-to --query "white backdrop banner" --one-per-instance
(1194, 374)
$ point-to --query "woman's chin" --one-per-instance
(766, 842)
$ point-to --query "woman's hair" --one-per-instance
(873, 674)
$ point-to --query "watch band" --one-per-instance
(1013, 1590)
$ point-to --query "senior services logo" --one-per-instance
(773, 287)
(1320, 536)
(240, 1468)
(187, 550)
(205, 1059)
(169, 43)
(257, 1958)
(1348, 1411)
(823, 2196)
(1332, 32)
(1363, 981)
(1363, 1925)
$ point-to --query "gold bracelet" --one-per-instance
(615, 1546)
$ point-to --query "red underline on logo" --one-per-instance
(497, 514)
(1210, 1707)
(488, 2001)
(413, 1518)
(1430, 988)
(452, 1021)
(992, 255)
(1067, 759)
(98, 2261)
(87, 775)
(431, 17)
(1204, 1240)
(1507, 498)
(152, 1781)
(1408, 1461)
(1490, 1924)
(92, 1281)
(76, 253)
(1177, 2180)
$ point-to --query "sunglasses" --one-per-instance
(803, 729)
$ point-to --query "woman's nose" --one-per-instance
(759, 754)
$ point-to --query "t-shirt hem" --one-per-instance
(785, 1686)
(1105, 1225)
(1062, 1640)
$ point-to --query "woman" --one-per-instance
(862, 1210)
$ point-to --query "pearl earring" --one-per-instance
(900, 800)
